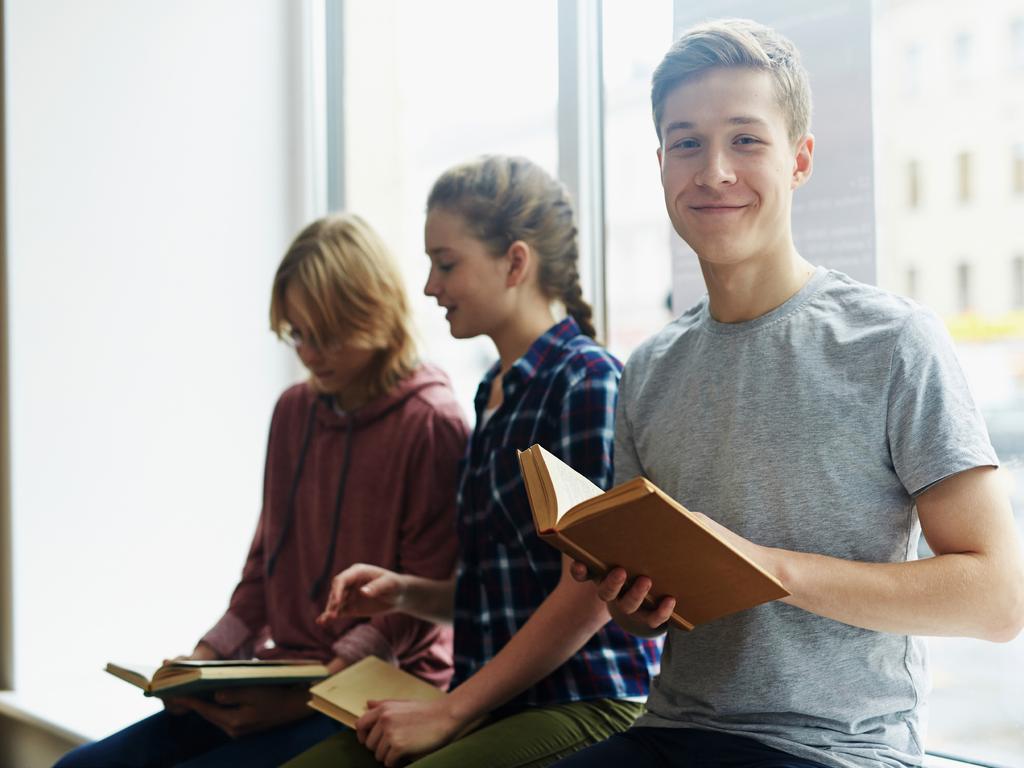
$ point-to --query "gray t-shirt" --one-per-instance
(810, 428)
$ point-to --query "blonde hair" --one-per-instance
(737, 43)
(351, 289)
(504, 199)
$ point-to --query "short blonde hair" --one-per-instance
(737, 43)
(351, 290)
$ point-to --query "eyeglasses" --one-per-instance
(297, 341)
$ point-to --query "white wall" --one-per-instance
(155, 176)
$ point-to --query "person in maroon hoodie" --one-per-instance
(361, 468)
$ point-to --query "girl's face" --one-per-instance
(468, 281)
(336, 365)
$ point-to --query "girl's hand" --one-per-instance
(363, 590)
(396, 731)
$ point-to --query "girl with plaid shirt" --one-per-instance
(538, 666)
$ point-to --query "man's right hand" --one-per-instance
(627, 605)
(202, 652)
(363, 590)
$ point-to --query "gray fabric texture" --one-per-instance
(810, 428)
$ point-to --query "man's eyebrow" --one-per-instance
(679, 125)
(746, 120)
(686, 125)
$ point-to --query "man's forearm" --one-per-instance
(963, 594)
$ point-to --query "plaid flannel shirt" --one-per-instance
(560, 394)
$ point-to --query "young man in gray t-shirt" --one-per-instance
(822, 426)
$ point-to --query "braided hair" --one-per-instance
(504, 199)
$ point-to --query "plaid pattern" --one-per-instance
(560, 394)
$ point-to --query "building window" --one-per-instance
(912, 71)
(963, 164)
(1017, 43)
(963, 287)
(913, 184)
(962, 57)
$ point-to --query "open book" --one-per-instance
(638, 527)
(343, 696)
(189, 676)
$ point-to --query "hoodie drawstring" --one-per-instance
(290, 508)
(338, 498)
(336, 520)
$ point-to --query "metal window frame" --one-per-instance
(334, 102)
(6, 549)
(581, 141)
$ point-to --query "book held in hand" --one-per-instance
(343, 696)
(638, 527)
(192, 676)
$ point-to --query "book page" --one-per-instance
(571, 488)
(136, 674)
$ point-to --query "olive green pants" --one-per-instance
(532, 738)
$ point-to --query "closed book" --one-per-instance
(343, 696)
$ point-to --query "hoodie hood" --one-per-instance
(425, 376)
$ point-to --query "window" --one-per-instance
(962, 57)
(141, 388)
(963, 177)
(639, 267)
(913, 184)
(975, 706)
(442, 93)
(1017, 44)
(912, 71)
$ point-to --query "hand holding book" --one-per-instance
(636, 530)
(630, 606)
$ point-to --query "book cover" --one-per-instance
(343, 696)
(640, 528)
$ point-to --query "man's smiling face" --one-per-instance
(728, 166)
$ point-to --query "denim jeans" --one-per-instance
(189, 740)
(682, 748)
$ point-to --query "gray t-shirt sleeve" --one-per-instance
(933, 425)
(627, 462)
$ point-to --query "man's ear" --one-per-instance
(520, 263)
(803, 164)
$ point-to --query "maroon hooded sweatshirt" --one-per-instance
(375, 485)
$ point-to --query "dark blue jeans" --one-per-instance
(681, 748)
(189, 740)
